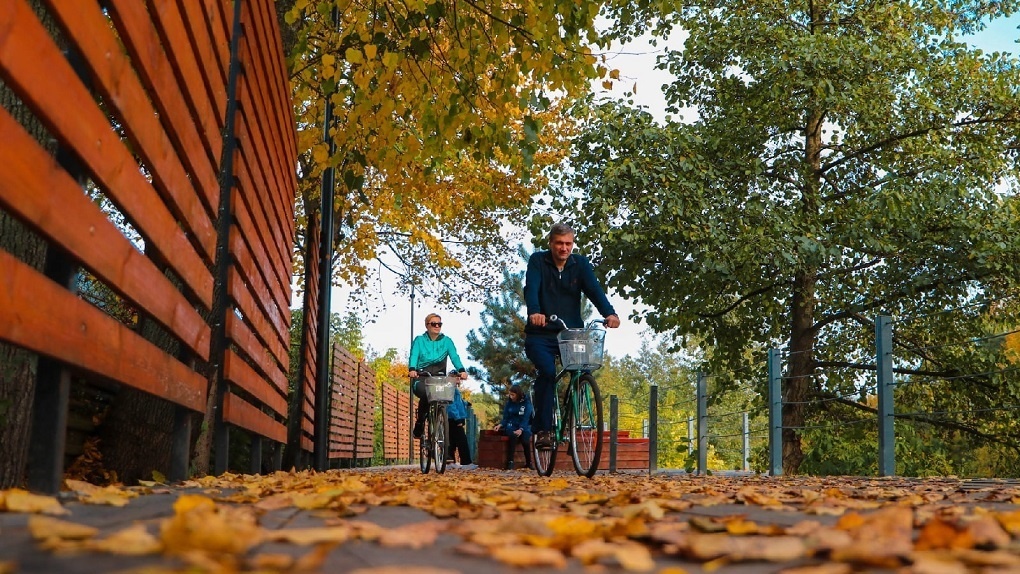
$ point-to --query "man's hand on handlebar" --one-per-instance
(413, 374)
(537, 319)
(612, 321)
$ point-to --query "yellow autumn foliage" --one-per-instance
(445, 115)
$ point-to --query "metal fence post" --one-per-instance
(614, 427)
(221, 297)
(690, 435)
(775, 374)
(702, 390)
(653, 429)
(747, 442)
(886, 420)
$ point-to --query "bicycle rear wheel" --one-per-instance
(440, 432)
(425, 449)
(584, 425)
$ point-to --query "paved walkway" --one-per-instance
(396, 520)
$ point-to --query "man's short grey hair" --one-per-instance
(559, 229)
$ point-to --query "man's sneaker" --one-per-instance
(544, 439)
(468, 466)
(419, 428)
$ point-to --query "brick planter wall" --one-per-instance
(632, 453)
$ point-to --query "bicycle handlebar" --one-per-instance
(556, 319)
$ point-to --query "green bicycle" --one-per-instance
(579, 424)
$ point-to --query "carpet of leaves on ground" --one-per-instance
(629, 523)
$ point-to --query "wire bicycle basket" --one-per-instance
(439, 389)
(581, 349)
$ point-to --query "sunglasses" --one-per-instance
(435, 324)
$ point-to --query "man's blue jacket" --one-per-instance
(549, 291)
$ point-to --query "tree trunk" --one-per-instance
(797, 386)
(17, 366)
(800, 365)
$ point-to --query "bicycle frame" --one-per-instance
(579, 410)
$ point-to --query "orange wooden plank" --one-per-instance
(239, 412)
(269, 161)
(244, 339)
(263, 301)
(211, 107)
(125, 96)
(241, 374)
(281, 102)
(203, 44)
(256, 261)
(200, 154)
(39, 315)
(260, 218)
(38, 72)
(212, 14)
(260, 40)
(263, 329)
(39, 192)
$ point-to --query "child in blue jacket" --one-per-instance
(457, 414)
(516, 425)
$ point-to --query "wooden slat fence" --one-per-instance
(396, 407)
(345, 404)
(128, 187)
(352, 420)
(365, 427)
(309, 343)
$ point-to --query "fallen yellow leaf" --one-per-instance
(17, 500)
(43, 527)
(134, 540)
(529, 556)
(309, 536)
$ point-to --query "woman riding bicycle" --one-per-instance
(428, 355)
(553, 285)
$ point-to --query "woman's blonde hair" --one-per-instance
(432, 316)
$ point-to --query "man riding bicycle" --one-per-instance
(553, 285)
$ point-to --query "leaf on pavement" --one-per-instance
(404, 569)
(417, 535)
(43, 527)
(882, 539)
(134, 540)
(829, 568)
(17, 500)
(742, 548)
(529, 556)
(199, 524)
(308, 536)
(631, 556)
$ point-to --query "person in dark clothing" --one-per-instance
(429, 352)
(457, 414)
(516, 424)
(554, 282)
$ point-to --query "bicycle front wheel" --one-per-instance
(584, 425)
(425, 449)
(545, 457)
(440, 434)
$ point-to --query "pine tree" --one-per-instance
(499, 344)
